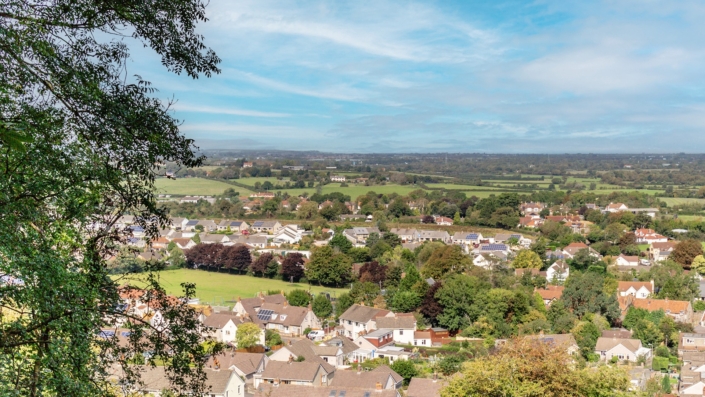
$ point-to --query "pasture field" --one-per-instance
(671, 201)
(698, 218)
(219, 288)
(195, 186)
(252, 180)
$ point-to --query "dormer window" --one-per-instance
(283, 317)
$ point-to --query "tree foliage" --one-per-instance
(527, 259)
(524, 368)
(321, 306)
(686, 251)
(247, 335)
(80, 138)
(298, 297)
(293, 267)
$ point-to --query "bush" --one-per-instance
(662, 351)
(307, 331)
(699, 306)
(660, 364)
(614, 360)
(272, 338)
(405, 368)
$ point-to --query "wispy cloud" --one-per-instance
(225, 110)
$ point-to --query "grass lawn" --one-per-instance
(698, 218)
(194, 186)
(252, 181)
(219, 288)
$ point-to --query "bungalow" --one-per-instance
(270, 227)
(406, 235)
(330, 357)
(550, 294)
(431, 337)
(434, 235)
(264, 195)
(465, 238)
(573, 248)
(360, 319)
(208, 225)
(379, 379)
(624, 260)
(219, 383)
(564, 341)
(304, 373)
(486, 248)
(234, 226)
(337, 178)
(359, 235)
(425, 387)
(639, 290)
(250, 241)
(184, 243)
(443, 221)
(623, 349)
(213, 238)
(558, 271)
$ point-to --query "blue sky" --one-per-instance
(444, 76)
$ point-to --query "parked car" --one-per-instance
(316, 335)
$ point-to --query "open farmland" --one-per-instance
(194, 186)
(219, 288)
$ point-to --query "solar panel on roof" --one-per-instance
(332, 393)
(367, 394)
(107, 334)
(342, 393)
(264, 314)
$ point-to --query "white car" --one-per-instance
(316, 335)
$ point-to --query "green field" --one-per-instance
(677, 200)
(195, 186)
(219, 288)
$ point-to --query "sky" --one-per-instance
(445, 76)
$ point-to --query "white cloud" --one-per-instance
(226, 110)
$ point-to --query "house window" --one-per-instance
(401, 332)
(423, 341)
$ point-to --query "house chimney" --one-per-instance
(378, 386)
(238, 299)
(359, 369)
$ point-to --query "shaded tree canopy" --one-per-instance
(82, 140)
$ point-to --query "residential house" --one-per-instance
(358, 235)
(648, 211)
(196, 199)
(184, 243)
(680, 311)
(508, 238)
(564, 341)
(287, 319)
(531, 208)
(623, 349)
(245, 365)
(648, 236)
(330, 356)
(372, 341)
(270, 227)
(573, 248)
(465, 238)
(639, 290)
(250, 241)
(443, 221)
(659, 252)
(234, 226)
(379, 379)
(337, 178)
(289, 234)
(247, 164)
(625, 260)
(564, 218)
(250, 306)
(616, 207)
(550, 294)
(403, 325)
(360, 319)
(208, 225)
(325, 204)
(304, 373)
(530, 222)
(346, 345)
(691, 342)
(267, 390)
(425, 387)
(558, 271)
(213, 238)
(263, 195)
(353, 217)
(222, 327)
(394, 353)
(617, 333)
(434, 235)
(494, 248)
(431, 337)
(218, 383)
(406, 235)
(190, 224)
